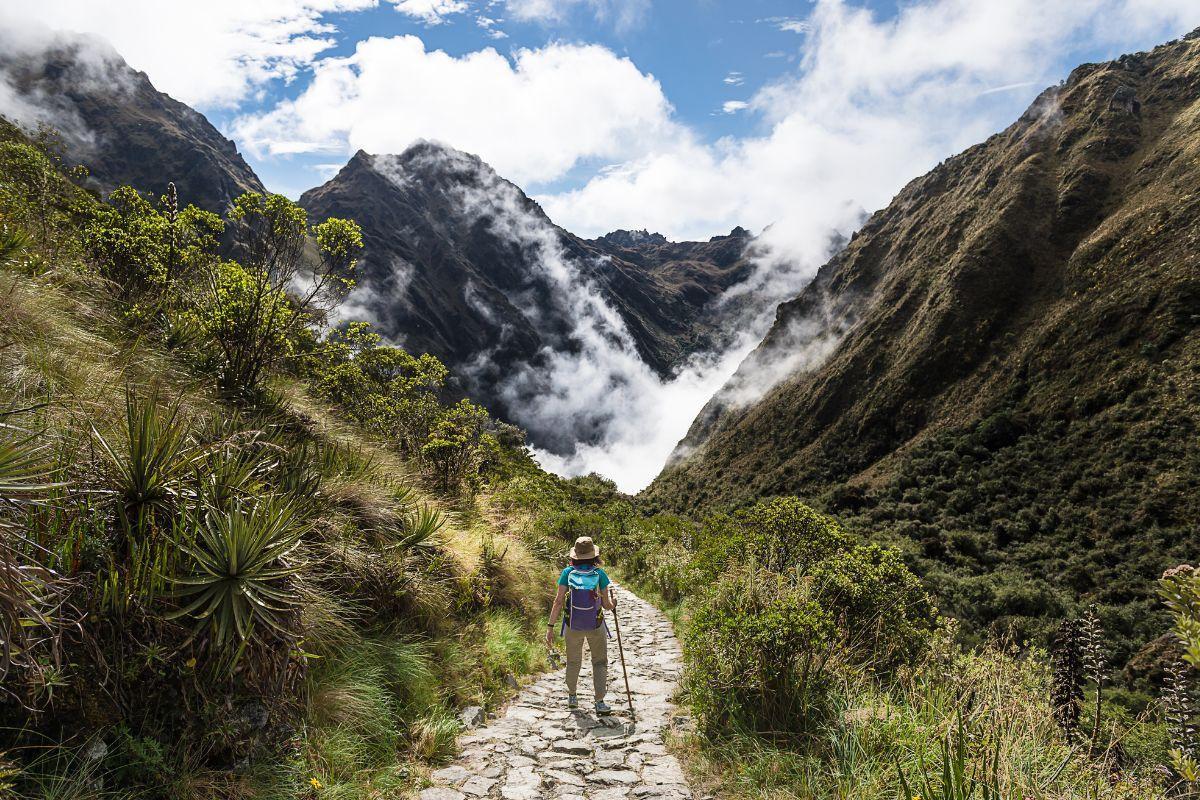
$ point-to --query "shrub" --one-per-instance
(778, 535)
(880, 604)
(251, 313)
(758, 650)
(142, 250)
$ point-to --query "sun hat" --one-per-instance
(584, 549)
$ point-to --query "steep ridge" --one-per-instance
(462, 264)
(1002, 365)
(113, 121)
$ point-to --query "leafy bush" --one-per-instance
(396, 395)
(143, 250)
(778, 535)
(254, 311)
(758, 652)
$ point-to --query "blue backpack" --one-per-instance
(583, 601)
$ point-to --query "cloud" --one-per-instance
(431, 12)
(533, 116)
(211, 54)
(622, 14)
(30, 101)
(489, 25)
(871, 104)
(734, 79)
(789, 24)
(734, 106)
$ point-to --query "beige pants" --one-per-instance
(598, 645)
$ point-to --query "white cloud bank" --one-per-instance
(215, 53)
(431, 12)
(533, 117)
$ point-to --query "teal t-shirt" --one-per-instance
(604, 581)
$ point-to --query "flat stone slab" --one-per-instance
(440, 793)
(478, 786)
(452, 775)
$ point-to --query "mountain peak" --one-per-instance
(115, 122)
(628, 238)
(737, 233)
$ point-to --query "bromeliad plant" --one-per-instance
(241, 560)
(150, 465)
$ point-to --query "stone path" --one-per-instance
(540, 749)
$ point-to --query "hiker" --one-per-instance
(587, 587)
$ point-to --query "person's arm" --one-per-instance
(555, 610)
(606, 598)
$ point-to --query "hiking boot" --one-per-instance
(603, 707)
(572, 701)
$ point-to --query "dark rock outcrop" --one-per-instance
(115, 122)
(460, 263)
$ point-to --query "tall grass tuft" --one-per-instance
(434, 736)
(508, 649)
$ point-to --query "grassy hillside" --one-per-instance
(1013, 397)
(210, 587)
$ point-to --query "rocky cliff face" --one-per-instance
(116, 123)
(462, 264)
(1002, 367)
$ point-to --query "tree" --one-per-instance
(280, 289)
(456, 443)
(146, 252)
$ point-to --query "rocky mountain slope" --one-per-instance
(113, 121)
(1002, 368)
(462, 264)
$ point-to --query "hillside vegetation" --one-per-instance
(1013, 397)
(237, 560)
(816, 665)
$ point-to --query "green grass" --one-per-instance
(1008, 744)
(509, 648)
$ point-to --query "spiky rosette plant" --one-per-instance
(237, 588)
(30, 593)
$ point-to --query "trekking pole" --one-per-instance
(621, 651)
